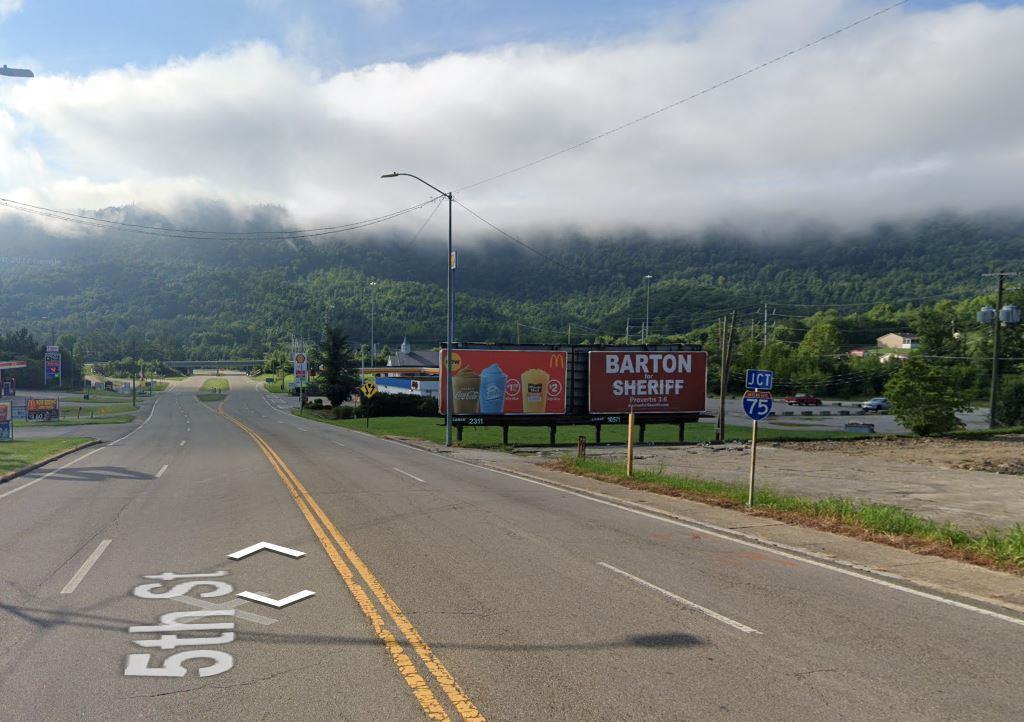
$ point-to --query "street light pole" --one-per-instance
(647, 316)
(373, 346)
(451, 308)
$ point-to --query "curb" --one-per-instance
(50, 459)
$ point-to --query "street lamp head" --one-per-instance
(17, 72)
(390, 175)
(648, 277)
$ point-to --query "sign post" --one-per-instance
(629, 444)
(757, 404)
(299, 366)
(52, 365)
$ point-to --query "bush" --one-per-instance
(343, 412)
(1010, 411)
(925, 397)
(399, 405)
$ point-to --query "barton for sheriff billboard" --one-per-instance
(648, 381)
(495, 382)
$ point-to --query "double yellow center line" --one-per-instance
(345, 561)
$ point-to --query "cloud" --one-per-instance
(908, 114)
(8, 7)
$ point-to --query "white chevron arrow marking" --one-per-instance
(242, 553)
(277, 603)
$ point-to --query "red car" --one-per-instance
(803, 400)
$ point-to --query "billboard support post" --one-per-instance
(629, 444)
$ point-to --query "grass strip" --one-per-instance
(996, 548)
(214, 386)
(20, 453)
(211, 398)
(489, 437)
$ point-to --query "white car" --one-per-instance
(879, 403)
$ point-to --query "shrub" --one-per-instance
(1010, 411)
(925, 397)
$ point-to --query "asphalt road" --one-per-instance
(442, 589)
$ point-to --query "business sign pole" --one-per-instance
(757, 404)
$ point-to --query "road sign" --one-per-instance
(299, 367)
(368, 389)
(757, 404)
(760, 379)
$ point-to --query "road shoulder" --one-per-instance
(943, 576)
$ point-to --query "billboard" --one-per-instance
(648, 381)
(497, 382)
(6, 421)
(51, 364)
(43, 410)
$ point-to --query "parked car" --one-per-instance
(803, 400)
(879, 403)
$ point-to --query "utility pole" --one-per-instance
(135, 372)
(627, 331)
(647, 314)
(996, 346)
(570, 334)
(728, 325)
(519, 334)
(765, 344)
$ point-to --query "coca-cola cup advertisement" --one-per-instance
(497, 382)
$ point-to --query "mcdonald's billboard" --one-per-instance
(493, 382)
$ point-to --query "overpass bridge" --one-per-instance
(245, 364)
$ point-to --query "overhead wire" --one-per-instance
(693, 96)
(199, 234)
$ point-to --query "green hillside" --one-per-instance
(203, 298)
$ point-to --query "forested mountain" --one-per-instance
(186, 297)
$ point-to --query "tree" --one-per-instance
(925, 397)
(338, 381)
(1011, 406)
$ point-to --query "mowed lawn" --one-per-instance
(215, 386)
(22, 452)
(432, 429)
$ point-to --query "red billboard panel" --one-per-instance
(648, 381)
(495, 382)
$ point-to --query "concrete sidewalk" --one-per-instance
(943, 576)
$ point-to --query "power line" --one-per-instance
(693, 96)
(512, 238)
(198, 234)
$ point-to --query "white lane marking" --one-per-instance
(72, 585)
(406, 473)
(260, 546)
(340, 444)
(722, 533)
(161, 472)
(151, 412)
(183, 442)
(203, 604)
(51, 473)
(685, 602)
(277, 603)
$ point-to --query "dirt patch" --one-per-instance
(1001, 455)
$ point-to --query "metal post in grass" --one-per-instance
(629, 444)
(753, 462)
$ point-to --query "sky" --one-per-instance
(304, 104)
